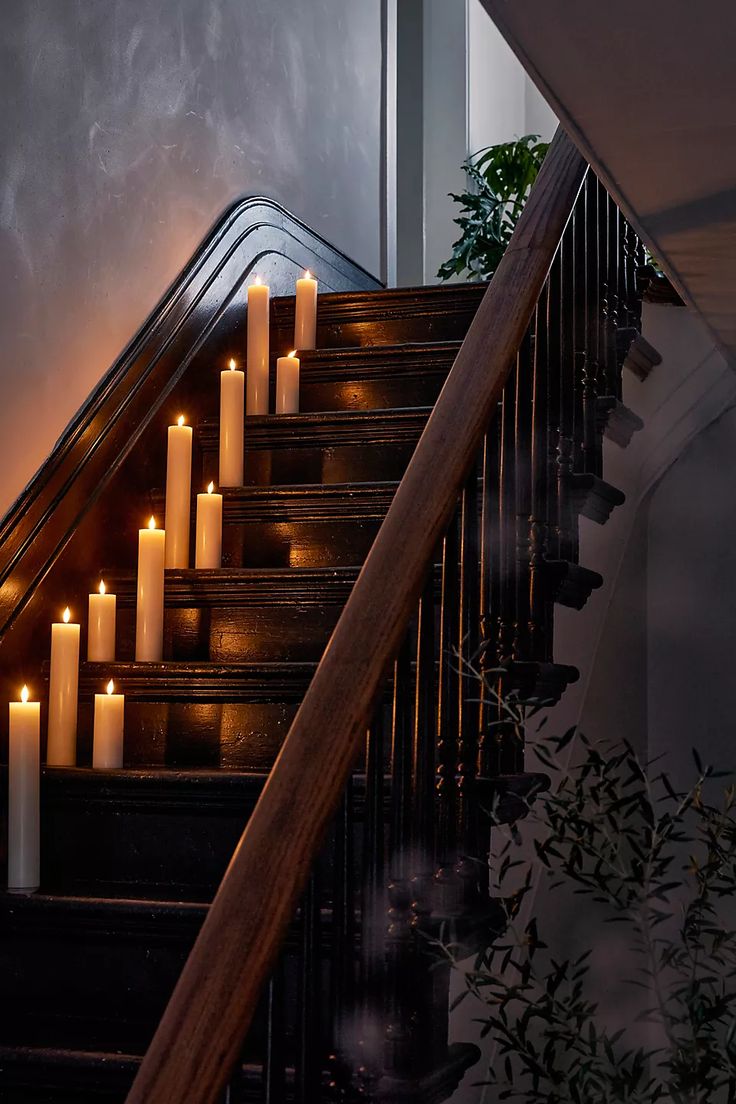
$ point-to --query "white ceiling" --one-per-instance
(647, 88)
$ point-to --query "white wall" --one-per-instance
(460, 88)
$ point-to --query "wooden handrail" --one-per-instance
(202, 1030)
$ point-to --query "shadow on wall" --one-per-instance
(127, 131)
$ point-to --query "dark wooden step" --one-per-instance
(95, 973)
(379, 377)
(439, 312)
(198, 714)
(308, 525)
(343, 447)
(167, 834)
(241, 614)
(155, 833)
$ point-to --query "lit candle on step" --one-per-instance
(209, 529)
(231, 427)
(24, 762)
(101, 627)
(256, 400)
(305, 312)
(149, 624)
(61, 750)
(107, 745)
(178, 494)
(287, 384)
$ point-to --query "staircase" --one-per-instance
(354, 1009)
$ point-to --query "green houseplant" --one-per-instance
(623, 846)
(500, 179)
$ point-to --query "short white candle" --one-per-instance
(149, 625)
(305, 312)
(61, 750)
(209, 529)
(287, 384)
(256, 399)
(24, 764)
(107, 744)
(178, 494)
(232, 383)
(101, 626)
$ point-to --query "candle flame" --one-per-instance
(232, 365)
(152, 522)
(66, 615)
(210, 488)
(110, 686)
(24, 694)
(258, 281)
(308, 275)
(292, 354)
(180, 420)
(102, 586)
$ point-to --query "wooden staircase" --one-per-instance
(132, 858)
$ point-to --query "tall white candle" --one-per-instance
(149, 625)
(24, 763)
(61, 750)
(232, 384)
(101, 626)
(107, 744)
(209, 529)
(256, 396)
(305, 312)
(287, 384)
(178, 494)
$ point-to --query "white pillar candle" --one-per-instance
(256, 398)
(305, 312)
(149, 625)
(287, 384)
(231, 427)
(61, 750)
(107, 744)
(209, 529)
(178, 494)
(101, 627)
(24, 765)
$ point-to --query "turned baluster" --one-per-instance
(448, 888)
(591, 368)
(402, 1054)
(490, 598)
(469, 690)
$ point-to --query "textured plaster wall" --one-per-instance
(127, 128)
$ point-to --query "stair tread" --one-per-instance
(267, 681)
(245, 585)
(344, 305)
(333, 427)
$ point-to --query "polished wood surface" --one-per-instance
(199, 1037)
(93, 489)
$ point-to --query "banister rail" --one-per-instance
(200, 1035)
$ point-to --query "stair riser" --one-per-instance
(369, 331)
(225, 634)
(150, 843)
(102, 983)
(242, 735)
(340, 464)
(113, 848)
(337, 542)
